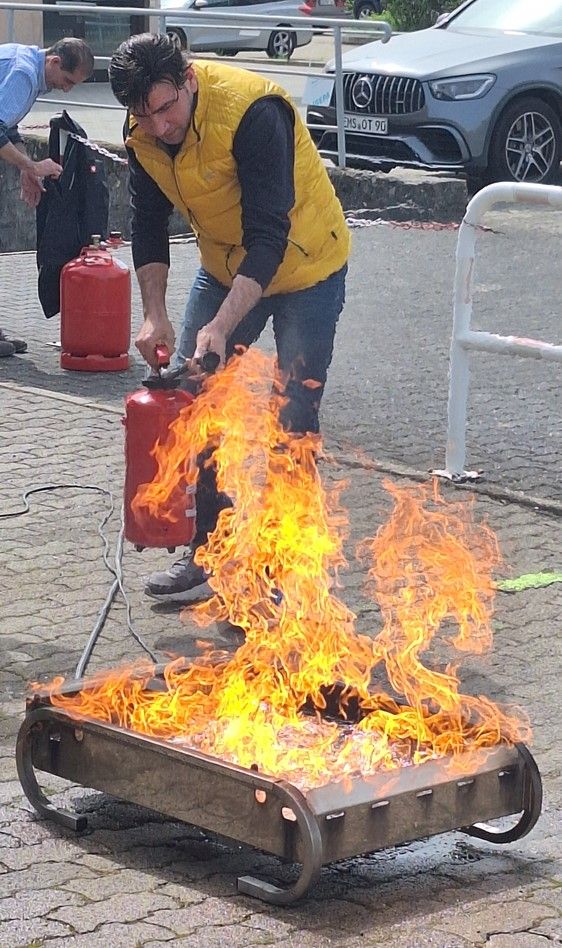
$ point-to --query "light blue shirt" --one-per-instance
(22, 79)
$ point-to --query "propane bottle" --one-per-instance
(95, 311)
(148, 416)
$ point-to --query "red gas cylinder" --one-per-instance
(148, 416)
(95, 312)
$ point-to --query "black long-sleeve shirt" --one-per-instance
(264, 152)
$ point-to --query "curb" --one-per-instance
(401, 195)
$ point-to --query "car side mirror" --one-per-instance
(200, 4)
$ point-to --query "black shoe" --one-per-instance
(183, 582)
(19, 345)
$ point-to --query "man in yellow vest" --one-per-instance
(228, 149)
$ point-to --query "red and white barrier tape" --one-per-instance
(359, 222)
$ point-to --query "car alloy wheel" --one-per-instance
(527, 143)
(366, 9)
(281, 44)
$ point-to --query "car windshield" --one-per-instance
(541, 16)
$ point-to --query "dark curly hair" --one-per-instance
(140, 62)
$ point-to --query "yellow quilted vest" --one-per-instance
(201, 181)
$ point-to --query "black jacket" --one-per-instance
(70, 211)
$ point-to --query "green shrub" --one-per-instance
(406, 15)
(388, 18)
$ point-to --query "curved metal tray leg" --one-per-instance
(28, 779)
(532, 805)
(312, 863)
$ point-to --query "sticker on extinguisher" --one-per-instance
(190, 509)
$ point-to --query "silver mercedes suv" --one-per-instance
(479, 92)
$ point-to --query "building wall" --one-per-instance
(27, 27)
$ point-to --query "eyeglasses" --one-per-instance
(146, 117)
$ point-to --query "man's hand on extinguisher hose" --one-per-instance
(242, 297)
(211, 339)
(154, 333)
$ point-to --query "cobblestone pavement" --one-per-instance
(136, 878)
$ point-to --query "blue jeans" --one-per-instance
(304, 326)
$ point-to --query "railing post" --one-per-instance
(10, 26)
(459, 368)
(340, 109)
(464, 338)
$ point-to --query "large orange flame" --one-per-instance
(274, 558)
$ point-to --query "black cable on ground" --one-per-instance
(116, 570)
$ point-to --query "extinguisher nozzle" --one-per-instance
(210, 361)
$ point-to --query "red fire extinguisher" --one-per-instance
(95, 311)
(148, 416)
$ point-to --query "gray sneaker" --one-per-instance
(183, 582)
(18, 345)
(6, 349)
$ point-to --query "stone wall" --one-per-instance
(400, 195)
(17, 222)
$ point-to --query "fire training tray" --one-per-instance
(313, 828)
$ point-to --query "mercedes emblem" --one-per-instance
(362, 92)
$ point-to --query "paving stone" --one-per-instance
(118, 908)
(517, 940)
(50, 851)
(482, 923)
(42, 876)
(124, 881)
(551, 928)
(305, 939)
(28, 933)
(9, 791)
(115, 935)
(207, 911)
(36, 904)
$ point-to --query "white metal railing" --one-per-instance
(336, 26)
(464, 338)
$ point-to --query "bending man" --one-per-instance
(26, 72)
(229, 150)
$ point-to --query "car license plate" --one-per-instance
(366, 124)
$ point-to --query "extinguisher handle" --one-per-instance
(162, 356)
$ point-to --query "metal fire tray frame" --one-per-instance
(324, 825)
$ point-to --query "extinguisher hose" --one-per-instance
(115, 568)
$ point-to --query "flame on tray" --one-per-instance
(274, 559)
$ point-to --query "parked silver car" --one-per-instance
(278, 42)
(480, 92)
